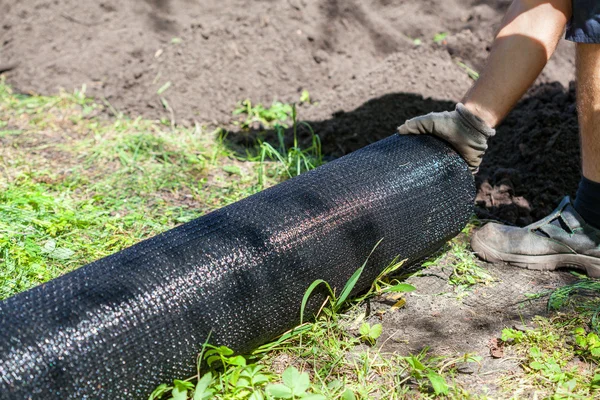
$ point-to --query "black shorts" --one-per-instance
(584, 26)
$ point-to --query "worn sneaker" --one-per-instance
(562, 239)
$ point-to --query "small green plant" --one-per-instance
(277, 114)
(370, 333)
(230, 376)
(291, 161)
(305, 97)
(336, 302)
(420, 371)
(465, 270)
(439, 37)
(295, 385)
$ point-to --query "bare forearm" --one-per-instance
(528, 37)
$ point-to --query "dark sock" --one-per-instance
(587, 202)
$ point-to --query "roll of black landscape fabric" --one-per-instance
(120, 326)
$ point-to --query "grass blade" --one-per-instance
(309, 291)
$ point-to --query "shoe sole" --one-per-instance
(591, 265)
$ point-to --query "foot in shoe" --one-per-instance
(562, 239)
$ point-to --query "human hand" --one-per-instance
(467, 133)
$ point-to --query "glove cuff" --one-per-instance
(474, 121)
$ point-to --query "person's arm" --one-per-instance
(526, 40)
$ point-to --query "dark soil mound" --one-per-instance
(534, 159)
(358, 59)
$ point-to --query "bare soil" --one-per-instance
(360, 62)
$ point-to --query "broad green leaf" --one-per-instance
(237, 360)
(179, 393)
(296, 380)
(536, 365)
(571, 384)
(415, 363)
(201, 392)
(212, 359)
(348, 395)
(279, 391)
(226, 351)
(376, 331)
(258, 379)
(256, 395)
(365, 328)
(437, 382)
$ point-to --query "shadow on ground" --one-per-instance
(532, 162)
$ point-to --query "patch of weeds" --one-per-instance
(289, 161)
(430, 374)
(557, 358)
(280, 160)
(277, 113)
(466, 271)
(457, 255)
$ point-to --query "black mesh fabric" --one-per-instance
(120, 326)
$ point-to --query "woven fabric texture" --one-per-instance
(118, 327)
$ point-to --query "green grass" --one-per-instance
(558, 357)
(76, 185)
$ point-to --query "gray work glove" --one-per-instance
(465, 131)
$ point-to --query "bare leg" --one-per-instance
(588, 105)
(527, 38)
